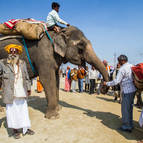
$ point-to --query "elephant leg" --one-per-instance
(59, 107)
(48, 80)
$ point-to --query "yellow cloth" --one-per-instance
(18, 47)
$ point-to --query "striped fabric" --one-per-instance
(124, 77)
(11, 23)
(32, 20)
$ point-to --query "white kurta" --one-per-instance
(17, 113)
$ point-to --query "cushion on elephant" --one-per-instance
(31, 31)
(138, 75)
(138, 72)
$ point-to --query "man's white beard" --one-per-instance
(13, 59)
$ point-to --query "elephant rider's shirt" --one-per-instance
(124, 77)
(53, 18)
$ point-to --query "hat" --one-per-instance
(18, 47)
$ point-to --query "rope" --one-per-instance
(27, 53)
(49, 37)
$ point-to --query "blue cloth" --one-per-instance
(80, 85)
(127, 110)
(69, 77)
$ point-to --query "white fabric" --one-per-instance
(53, 18)
(141, 119)
(93, 74)
(18, 83)
(17, 115)
(17, 112)
(87, 81)
(124, 77)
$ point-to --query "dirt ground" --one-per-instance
(84, 118)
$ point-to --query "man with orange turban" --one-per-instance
(16, 87)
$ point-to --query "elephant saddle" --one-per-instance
(138, 75)
(31, 29)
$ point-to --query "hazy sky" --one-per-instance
(112, 26)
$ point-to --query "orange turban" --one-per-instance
(18, 47)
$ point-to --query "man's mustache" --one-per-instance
(12, 56)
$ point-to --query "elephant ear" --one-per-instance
(60, 44)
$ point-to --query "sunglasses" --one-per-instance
(13, 50)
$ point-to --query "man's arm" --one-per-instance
(58, 19)
(117, 80)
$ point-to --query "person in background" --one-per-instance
(87, 81)
(80, 74)
(116, 88)
(68, 79)
(107, 67)
(39, 86)
(73, 75)
(16, 87)
(93, 76)
(53, 18)
(125, 79)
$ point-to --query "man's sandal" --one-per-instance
(16, 135)
(29, 132)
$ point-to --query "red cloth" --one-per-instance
(11, 23)
(138, 71)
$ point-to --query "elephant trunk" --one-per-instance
(92, 59)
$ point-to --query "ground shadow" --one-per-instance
(106, 99)
(4, 123)
(38, 103)
(110, 120)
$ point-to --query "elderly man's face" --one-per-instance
(13, 55)
(13, 52)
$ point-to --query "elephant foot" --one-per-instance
(58, 108)
(52, 115)
(1, 109)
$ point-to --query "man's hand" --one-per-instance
(29, 92)
(104, 83)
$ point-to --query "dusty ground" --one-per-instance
(84, 118)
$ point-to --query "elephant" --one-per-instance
(69, 45)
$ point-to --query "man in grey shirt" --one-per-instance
(125, 79)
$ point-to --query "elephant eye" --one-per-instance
(80, 51)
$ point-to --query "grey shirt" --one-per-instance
(8, 78)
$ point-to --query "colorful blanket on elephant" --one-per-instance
(138, 71)
(30, 28)
(11, 23)
(138, 76)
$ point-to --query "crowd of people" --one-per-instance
(85, 78)
(88, 79)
